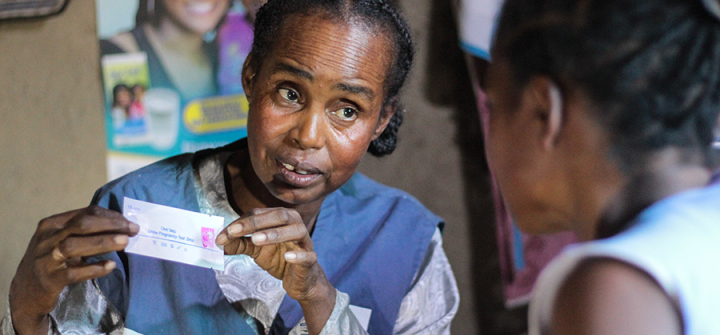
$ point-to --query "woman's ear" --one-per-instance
(387, 112)
(556, 114)
(248, 76)
(547, 102)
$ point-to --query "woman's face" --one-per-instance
(197, 16)
(527, 182)
(315, 106)
(549, 153)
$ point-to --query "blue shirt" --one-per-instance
(370, 240)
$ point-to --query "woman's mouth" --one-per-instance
(298, 175)
(296, 170)
(200, 7)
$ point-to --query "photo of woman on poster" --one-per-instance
(173, 34)
(181, 61)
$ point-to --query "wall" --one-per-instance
(52, 141)
(51, 126)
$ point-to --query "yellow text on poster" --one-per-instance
(216, 114)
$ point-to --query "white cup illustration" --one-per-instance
(162, 106)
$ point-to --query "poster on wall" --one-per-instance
(171, 77)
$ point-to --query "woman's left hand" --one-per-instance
(281, 245)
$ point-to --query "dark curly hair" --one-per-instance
(652, 67)
(380, 14)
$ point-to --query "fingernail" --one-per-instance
(259, 238)
(120, 239)
(235, 229)
(290, 256)
(110, 265)
(221, 239)
(134, 228)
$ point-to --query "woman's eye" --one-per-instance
(289, 94)
(346, 113)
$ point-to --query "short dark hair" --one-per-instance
(652, 67)
(382, 14)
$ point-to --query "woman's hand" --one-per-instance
(281, 245)
(55, 259)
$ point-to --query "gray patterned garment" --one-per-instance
(428, 307)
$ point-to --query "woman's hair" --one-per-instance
(379, 14)
(149, 11)
(651, 67)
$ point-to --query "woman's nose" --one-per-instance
(309, 131)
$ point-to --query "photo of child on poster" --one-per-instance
(128, 111)
(171, 72)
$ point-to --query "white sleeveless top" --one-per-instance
(676, 241)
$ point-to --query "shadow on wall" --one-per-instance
(449, 85)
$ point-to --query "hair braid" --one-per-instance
(386, 143)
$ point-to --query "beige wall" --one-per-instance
(52, 139)
(51, 126)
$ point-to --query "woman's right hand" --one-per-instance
(55, 259)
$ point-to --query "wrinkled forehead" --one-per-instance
(323, 44)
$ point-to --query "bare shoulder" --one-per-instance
(605, 296)
(125, 41)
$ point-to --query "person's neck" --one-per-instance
(668, 172)
(246, 191)
(170, 36)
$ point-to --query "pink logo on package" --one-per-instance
(208, 237)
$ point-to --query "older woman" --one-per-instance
(323, 81)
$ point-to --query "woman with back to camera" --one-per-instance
(323, 81)
(601, 122)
